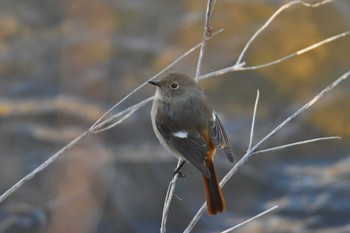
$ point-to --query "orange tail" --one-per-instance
(213, 194)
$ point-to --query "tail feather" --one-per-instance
(215, 200)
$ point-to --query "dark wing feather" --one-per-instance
(219, 138)
(193, 148)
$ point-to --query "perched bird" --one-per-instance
(186, 125)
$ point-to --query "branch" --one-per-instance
(168, 198)
(273, 149)
(206, 33)
(109, 123)
(251, 219)
(253, 120)
(42, 166)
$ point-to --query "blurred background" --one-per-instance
(64, 63)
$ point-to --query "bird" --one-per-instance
(187, 127)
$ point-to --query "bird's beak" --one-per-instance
(154, 83)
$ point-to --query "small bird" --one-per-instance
(186, 126)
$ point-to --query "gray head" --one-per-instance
(177, 85)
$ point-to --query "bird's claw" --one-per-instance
(178, 173)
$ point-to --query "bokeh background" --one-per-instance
(64, 63)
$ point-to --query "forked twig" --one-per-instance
(241, 65)
(269, 21)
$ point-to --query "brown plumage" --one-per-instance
(186, 125)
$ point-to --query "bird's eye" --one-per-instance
(174, 85)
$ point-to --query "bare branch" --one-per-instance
(253, 120)
(196, 218)
(241, 65)
(296, 144)
(206, 33)
(109, 123)
(330, 39)
(250, 220)
(42, 166)
(168, 198)
(269, 21)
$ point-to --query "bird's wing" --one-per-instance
(190, 145)
(219, 138)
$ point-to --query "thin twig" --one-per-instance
(330, 39)
(168, 198)
(206, 33)
(253, 120)
(250, 220)
(295, 144)
(42, 166)
(317, 4)
(249, 153)
(109, 123)
(196, 218)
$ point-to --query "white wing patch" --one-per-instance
(181, 134)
